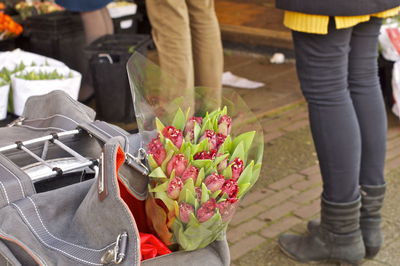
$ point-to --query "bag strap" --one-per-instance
(15, 184)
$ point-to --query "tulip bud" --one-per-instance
(212, 138)
(227, 209)
(190, 172)
(225, 125)
(237, 168)
(230, 187)
(220, 139)
(156, 149)
(175, 135)
(206, 211)
(222, 165)
(214, 182)
(177, 163)
(184, 211)
(206, 155)
(198, 193)
(174, 188)
(189, 127)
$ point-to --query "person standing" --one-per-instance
(188, 40)
(336, 49)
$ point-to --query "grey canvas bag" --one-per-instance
(73, 218)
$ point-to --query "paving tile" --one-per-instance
(392, 153)
(246, 214)
(308, 195)
(278, 211)
(242, 230)
(393, 132)
(302, 185)
(308, 211)
(280, 227)
(392, 164)
(271, 136)
(297, 125)
(278, 197)
(245, 245)
(255, 196)
(310, 170)
(286, 182)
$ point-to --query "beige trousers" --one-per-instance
(188, 40)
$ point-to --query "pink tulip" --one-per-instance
(190, 172)
(189, 127)
(230, 187)
(220, 139)
(156, 149)
(227, 209)
(174, 188)
(184, 211)
(175, 135)
(237, 168)
(212, 138)
(206, 211)
(198, 193)
(206, 155)
(214, 182)
(222, 165)
(177, 162)
(225, 125)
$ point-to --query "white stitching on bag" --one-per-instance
(45, 228)
(5, 192)
(19, 181)
(45, 118)
(49, 246)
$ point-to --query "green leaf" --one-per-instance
(247, 139)
(202, 163)
(226, 146)
(207, 125)
(204, 193)
(169, 145)
(193, 220)
(243, 188)
(176, 205)
(247, 174)
(189, 185)
(239, 152)
(227, 173)
(153, 164)
(179, 120)
(215, 219)
(215, 194)
(224, 111)
(200, 177)
(160, 126)
(167, 159)
(187, 114)
(196, 130)
(169, 203)
(220, 159)
(256, 173)
(158, 173)
(160, 188)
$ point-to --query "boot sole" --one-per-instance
(341, 262)
(371, 252)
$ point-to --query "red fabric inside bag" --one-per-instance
(150, 246)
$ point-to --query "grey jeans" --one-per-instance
(338, 74)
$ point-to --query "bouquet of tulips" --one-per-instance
(199, 173)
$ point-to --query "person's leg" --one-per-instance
(322, 65)
(368, 101)
(322, 62)
(171, 34)
(369, 105)
(96, 23)
(207, 48)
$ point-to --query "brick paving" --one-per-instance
(287, 204)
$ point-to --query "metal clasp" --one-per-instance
(141, 156)
(117, 254)
(17, 122)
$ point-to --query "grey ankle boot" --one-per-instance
(338, 238)
(370, 219)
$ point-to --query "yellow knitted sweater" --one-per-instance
(318, 24)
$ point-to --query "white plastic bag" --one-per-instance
(23, 89)
(12, 58)
(388, 49)
(4, 90)
(396, 88)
